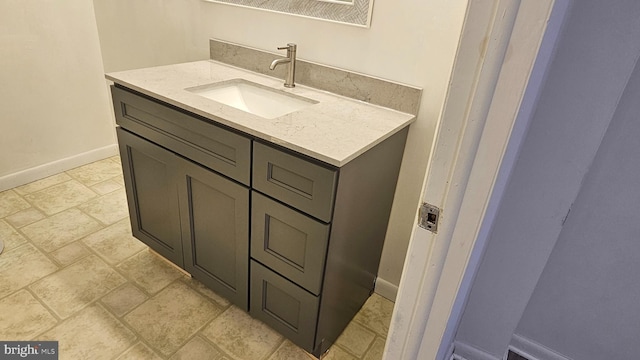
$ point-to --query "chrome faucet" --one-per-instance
(289, 80)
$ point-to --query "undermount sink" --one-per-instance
(253, 98)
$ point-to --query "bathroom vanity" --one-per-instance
(285, 217)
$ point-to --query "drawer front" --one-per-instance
(284, 306)
(302, 184)
(202, 141)
(288, 242)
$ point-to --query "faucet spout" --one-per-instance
(277, 62)
(289, 80)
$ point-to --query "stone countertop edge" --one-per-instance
(336, 130)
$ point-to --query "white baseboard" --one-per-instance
(532, 350)
(386, 289)
(42, 171)
(466, 351)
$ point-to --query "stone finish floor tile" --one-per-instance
(25, 217)
(336, 353)
(124, 299)
(289, 351)
(11, 203)
(69, 254)
(21, 266)
(108, 208)
(42, 184)
(73, 288)
(202, 289)
(97, 277)
(140, 351)
(96, 172)
(119, 179)
(356, 339)
(149, 272)
(23, 317)
(171, 317)
(93, 334)
(241, 336)
(198, 348)
(60, 197)
(376, 350)
(60, 229)
(376, 314)
(106, 187)
(11, 238)
(114, 243)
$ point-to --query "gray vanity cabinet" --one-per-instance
(198, 191)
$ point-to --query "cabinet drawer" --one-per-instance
(196, 139)
(295, 181)
(284, 306)
(288, 242)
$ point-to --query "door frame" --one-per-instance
(491, 99)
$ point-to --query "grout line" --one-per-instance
(127, 282)
(274, 350)
(59, 320)
(19, 192)
(187, 280)
(198, 333)
(211, 343)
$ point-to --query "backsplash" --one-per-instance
(354, 85)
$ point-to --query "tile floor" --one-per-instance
(72, 272)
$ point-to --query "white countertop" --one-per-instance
(335, 130)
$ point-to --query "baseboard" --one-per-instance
(386, 289)
(469, 352)
(532, 350)
(42, 171)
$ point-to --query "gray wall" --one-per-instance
(587, 301)
(594, 60)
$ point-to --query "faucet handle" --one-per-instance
(289, 46)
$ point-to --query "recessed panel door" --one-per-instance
(151, 194)
(215, 230)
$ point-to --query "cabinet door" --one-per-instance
(215, 231)
(152, 195)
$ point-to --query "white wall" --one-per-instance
(409, 41)
(53, 102)
(585, 303)
(143, 33)
(594, 61)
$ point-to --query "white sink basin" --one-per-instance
(253, 98)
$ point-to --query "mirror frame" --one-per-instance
(355, 12)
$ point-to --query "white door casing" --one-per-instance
(504, 51)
